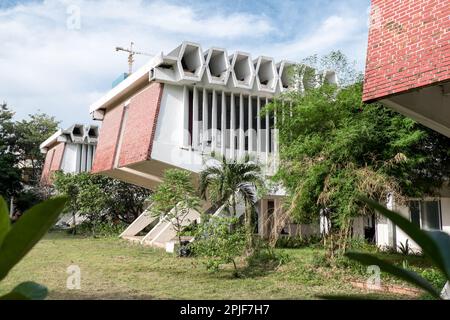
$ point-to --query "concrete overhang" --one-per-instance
(122, 90)
(428, 105)
(52, 140)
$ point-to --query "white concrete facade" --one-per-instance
(429, 213)
(79, 147)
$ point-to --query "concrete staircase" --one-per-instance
(163, 231)
(160, 234)
(145, 219)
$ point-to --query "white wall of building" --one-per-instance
(70, 158)
(387, 235)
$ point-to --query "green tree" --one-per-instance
(10, 182)
(225, 181)
(100, 198)
(125, 202)
(174, 199)
(333, 148)
(29, 134)
(69, 186)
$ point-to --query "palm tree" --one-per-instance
(226, 180)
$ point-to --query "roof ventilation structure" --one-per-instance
(217, 66)
(76, 133)
(184, 64)
(286, 77)
(91, 134)
(242, 71)
(266, 74)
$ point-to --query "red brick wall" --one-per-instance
(107, 141)
(409, 46)
(140, 125)
(137, 121)
(53, 160)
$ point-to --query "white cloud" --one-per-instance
(44, 65)
(331, 34)
(61, 71)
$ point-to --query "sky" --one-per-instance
(58, 56)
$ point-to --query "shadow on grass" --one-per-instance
(259, 266)
(79, 295)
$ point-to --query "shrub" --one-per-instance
(100, 229)
(435, 277)
(219, 242)
(266, 256)
(297, 241)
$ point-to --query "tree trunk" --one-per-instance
(234, 206)
(74, 230)
(249, 224)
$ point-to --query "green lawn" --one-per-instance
(115, 269)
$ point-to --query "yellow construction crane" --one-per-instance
(131, 54)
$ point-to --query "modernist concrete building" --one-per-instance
(182, 106)
(408, 69)
(71, 150)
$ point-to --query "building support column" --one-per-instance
(232, 129)
(258, 127)
(250, 125)
(263, 219)
(186, 137)
(204, 135)
(214, 122)
(223, 125)
(195, 122)
(90, 157)
(241, 131)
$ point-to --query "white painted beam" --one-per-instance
(241, 127)
(250, 125)
(258, 127)
(186, 117)
(204, 134)
(223, 130)
(214, 121)
(195, 122)
(232, 128)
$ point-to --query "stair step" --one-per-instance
(135, 239)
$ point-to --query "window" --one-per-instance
(426, 214)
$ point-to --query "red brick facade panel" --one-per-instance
(53, 160)
(139, 125)
(409, 46)
(107, 141)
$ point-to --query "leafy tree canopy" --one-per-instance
(334, 148)
(100, 197)
(30, 133)
(9, 172)
(20, 159)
